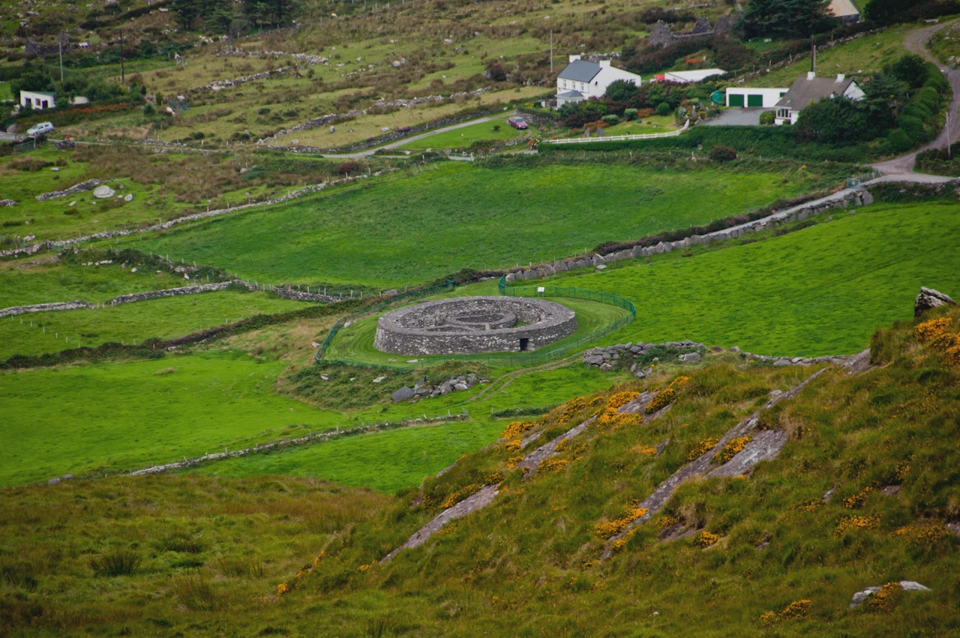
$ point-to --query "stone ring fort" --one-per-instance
(472, 325)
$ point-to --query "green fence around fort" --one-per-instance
(544, 355)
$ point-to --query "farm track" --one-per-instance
(509, 377)
(900, 169)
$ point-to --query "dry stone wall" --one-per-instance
(472, 325)
(88, 185)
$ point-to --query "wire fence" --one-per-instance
(343, 321)
(544, 355)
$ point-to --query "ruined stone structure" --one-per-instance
(471, 325)
(661, 36)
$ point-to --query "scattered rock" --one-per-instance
(103, 192)
(781, 363)
(403, 394)
(379, 379)
(929, 298)
(7, 202)
(53, 481)
(891, 490)
(691, 357)
(128, 197)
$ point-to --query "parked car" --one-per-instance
(40, 129)
(517, 123)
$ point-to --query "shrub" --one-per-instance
(722, 154)
(349, 167)
(767, 118)
(663, 109)
(630, 114)
(149, 110)
(610, 119)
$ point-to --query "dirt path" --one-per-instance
(916, 42)
(509, 377)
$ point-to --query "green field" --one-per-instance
(5, 92)
(464, 137)
(821, 290)
(414, 228)
(22, 284)
(355, 343)
(165, 318)
(385, 461)
(116, 417)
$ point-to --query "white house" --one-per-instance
(810, 88)
(688, 77)
(37, 100)
(846, 10)
(753, 98)
(581, 80)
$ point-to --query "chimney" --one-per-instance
(811, 75)
(604, 63)
(840, 77)
(574, 58)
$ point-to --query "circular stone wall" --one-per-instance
(471, 325)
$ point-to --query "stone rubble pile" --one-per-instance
(842, 199)
(421, 390)
(604, 358)
(88, 185)
(7, 202)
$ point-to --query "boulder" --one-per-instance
(403, 394)
(461, 386)
(510, 278)
(128, 197)
(781, 363)
(103, 192)
(593, 360)
(598, 260)
(929, 298)
(867, 198)
(691, 357)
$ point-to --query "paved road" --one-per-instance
(414, 138)
(916, 42)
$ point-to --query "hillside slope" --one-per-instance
(865, 492)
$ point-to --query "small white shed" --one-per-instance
(753, 98)
(37, 100)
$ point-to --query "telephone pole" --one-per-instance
(123, 74)
(551, 51)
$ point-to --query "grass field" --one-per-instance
(862, 56)
(165, 318)
(5, 92)
(821, 290)
(386, 461)
(413, 228)
(464, 137)
(24, 284)
(116, 417)
(355, 343)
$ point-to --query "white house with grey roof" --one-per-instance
(809, 88)
(581, 80)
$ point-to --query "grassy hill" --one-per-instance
(860, 496)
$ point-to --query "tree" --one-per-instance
(187, 12)
(893, 11)
(277, 13)
(787, 18)
(836, 120)
(622, 91)
(884, 96)
(910, 69)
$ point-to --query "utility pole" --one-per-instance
(123, 75)
(813, 54)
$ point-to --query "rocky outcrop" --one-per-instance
(422, 390)
(929, 298)
(906, 585)
(7, 202)
(88, 185)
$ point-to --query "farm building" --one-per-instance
(37, 100)
(846, 10)
(688, 77)
(754, 98)
(810, 88)
(581, 80)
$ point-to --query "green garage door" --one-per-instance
(755, 101)
(736, 100)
